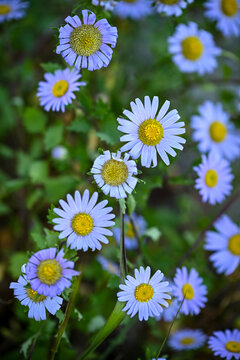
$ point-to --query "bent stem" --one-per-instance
(67, 314)
(123, 257)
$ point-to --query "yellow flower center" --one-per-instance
(60, 88)
(234, 244)
(85, 40)
(188, 291)
(4, 9)
(82, 224)
(169, 2)
(130, 231)
(150, 132)
(233, 346)
(49, 271)
(211, 178)
(143, 292)
(187, 341)
(34, 296)
(192, 48)
(229, 7)
(114, 172)
(218, 131)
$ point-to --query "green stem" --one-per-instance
(123, 257)
(67, 315)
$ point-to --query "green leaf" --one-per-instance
(77, 315)
(39, 239)
(26, 346)
(60, 315)
(181, 180)
(16, 261)
(38, 171)
(79, 125)
(34, 120)
(154, 233)
(96, 323)
(51, 214)
(50, 67)
(131, 204)
(53, 136)
(122, 204)
(51, 238)
(34, 197)
(106, 138)
(113, 282)
(59, 186)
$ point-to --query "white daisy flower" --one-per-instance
(225, 244)
(187, 339)
(171, 7)
(144, 295)
(134, 9)
(214, 132)
(12, 9)
(193, 49)
(114, 175)
(214, 179)
(227, 15)
(149, 132)
(83, 222)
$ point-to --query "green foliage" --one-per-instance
(15, 263)
(53, 136)
(34, 120)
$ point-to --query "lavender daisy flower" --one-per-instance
(225, 242)
(58, 89)
(149, 132)
(109, 266)
(131, 241)
(187, 339)
(134, 9)
(225, 344)
(108, 5)
(171, 7)
(214, 179)
(87, 43)
(12, 9)
(169, 313)
(189, 285)
(49, 273)
(144, 295)
(37, 304)
(83, 222)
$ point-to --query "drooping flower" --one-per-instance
(149, 132)
(58, 89)
(214, 132)
(171, 7)
(37, 304)
(193, 49)
(131, 241)
(187, 339)
(214, 179)
(144, 295)
(12, 9)
(49, 273)
(190, 286)
(86, 43)
(134, 9)
(108, 265)
(114, 175)
(59, 152)
(225, 344)
(225, 244)
(83, 222)
(227, 15)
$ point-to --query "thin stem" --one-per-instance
(68, 312)
(35, 341)
(123, 257)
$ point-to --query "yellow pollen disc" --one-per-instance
(188, 291)
(218, 131)
(169, 2)
(229, 7)
(33, 295)
(85, 40)
(211, 178)
(60, 88)
(150, 132)
(114, 172)
(192, 48)
(130, 231)
(233, 346)
(187, 341)
(4, 9)
(82, 224)
(143, 292)
(49, 271)
(234, 244)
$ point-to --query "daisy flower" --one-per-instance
(225, 242)
(49, 273)
(169, 313)
(134, 9)
(225, 344)
(86, 43)
(37, 304)
(214, 179)
(58, 89)
(131, 241)
(214, 132)
(189, 285)
(59, 152)
(12, 9)
(114, 175)
(149, 132)
(171, 7)
(187, 339)
(109, 266)
(83, 222)
(108, 5)
(193, 49)
(227, 15)
(144, 295)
